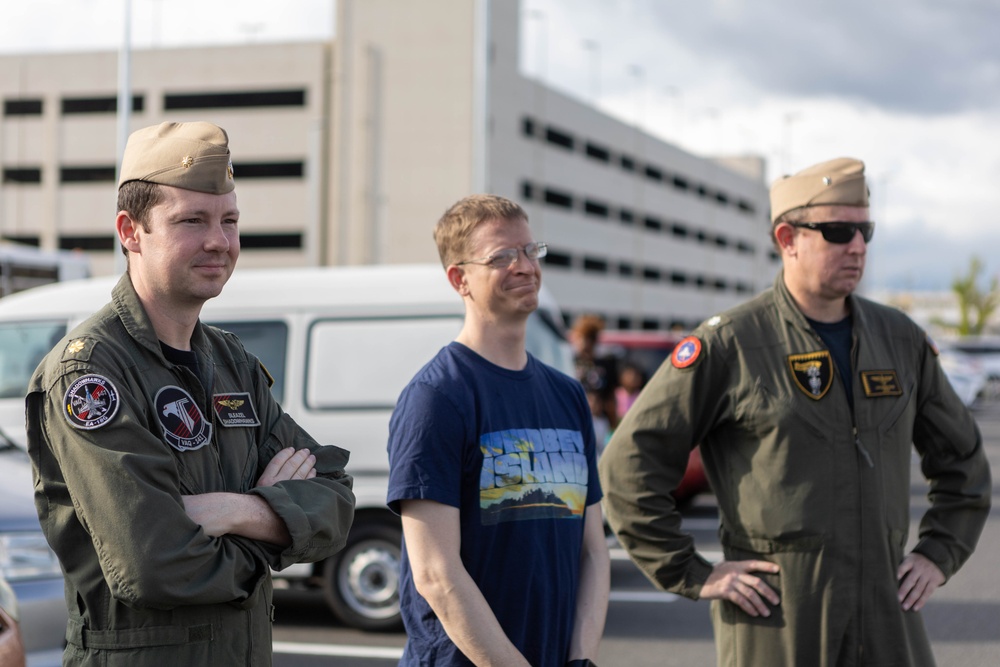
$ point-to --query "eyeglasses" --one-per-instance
(839, 232)
(506, 258)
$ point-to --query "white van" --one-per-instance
(341, 344)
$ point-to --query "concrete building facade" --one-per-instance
(347, 152)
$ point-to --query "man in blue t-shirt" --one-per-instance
(493, 470)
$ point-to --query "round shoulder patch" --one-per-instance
(686, 352)
(91, 402)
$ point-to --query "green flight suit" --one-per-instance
(803, 479)
(117, 434)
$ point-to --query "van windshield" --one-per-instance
(546, 342)
(22, 346)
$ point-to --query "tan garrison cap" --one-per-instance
(193, 156)
(835, 182)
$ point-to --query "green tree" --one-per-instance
(975, 306)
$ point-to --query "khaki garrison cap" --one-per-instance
(193, 156)
(839, 182)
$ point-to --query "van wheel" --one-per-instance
(361, 583)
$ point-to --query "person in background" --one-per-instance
(631, 380)
(808, 401)
(168, 480)
(492, 466)
(597, 373)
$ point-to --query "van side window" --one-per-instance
(268, 341)
(364, 363)
(22, 347)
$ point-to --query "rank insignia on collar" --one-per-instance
(881, 383)
(812, 372)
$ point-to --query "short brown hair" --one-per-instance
(452, 232)
(791, 217)
(138, 198)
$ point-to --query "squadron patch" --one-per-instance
(881, 383)
(235, 410)
(184, 426)
(686, 352)
(812, 372)
(91, 402)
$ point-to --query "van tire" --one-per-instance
(361, 583)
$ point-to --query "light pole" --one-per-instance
(539, 15)
(639, 73)
(124, 102)
(786, 144)
(594, 48)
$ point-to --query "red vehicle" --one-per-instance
(647, 350)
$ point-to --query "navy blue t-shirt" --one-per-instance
(514, 451)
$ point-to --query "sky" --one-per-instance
(912, 87)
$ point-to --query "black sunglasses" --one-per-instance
(839, 232)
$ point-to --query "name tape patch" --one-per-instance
(881, 383)
(235, 410)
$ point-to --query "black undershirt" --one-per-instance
(837, 337)
(186, 358)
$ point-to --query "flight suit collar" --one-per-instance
(126, 304)
(790, 311)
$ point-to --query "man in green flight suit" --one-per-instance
(167, 478)
(806, 401)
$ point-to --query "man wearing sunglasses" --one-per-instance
(492, 467)
(806, 401)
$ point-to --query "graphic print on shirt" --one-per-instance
(532, 474)
(184, 426)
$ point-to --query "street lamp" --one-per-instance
(594, 48)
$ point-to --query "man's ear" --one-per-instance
(128, 231)
(784, 234)
(457, 279)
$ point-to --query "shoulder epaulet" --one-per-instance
(78, 349)
(267, 374)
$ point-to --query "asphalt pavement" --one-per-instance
(648, 628)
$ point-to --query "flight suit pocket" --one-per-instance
(767, 409)
(799, 560)
(892, 416)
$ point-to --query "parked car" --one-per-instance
(28, 564)
(11, 643)
(985, 349)
(966, 373)
(341, 344)
(647, 350)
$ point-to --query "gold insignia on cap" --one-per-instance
(229, 171)
(187, 162)
(74, 346)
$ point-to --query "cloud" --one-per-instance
(916, 55)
